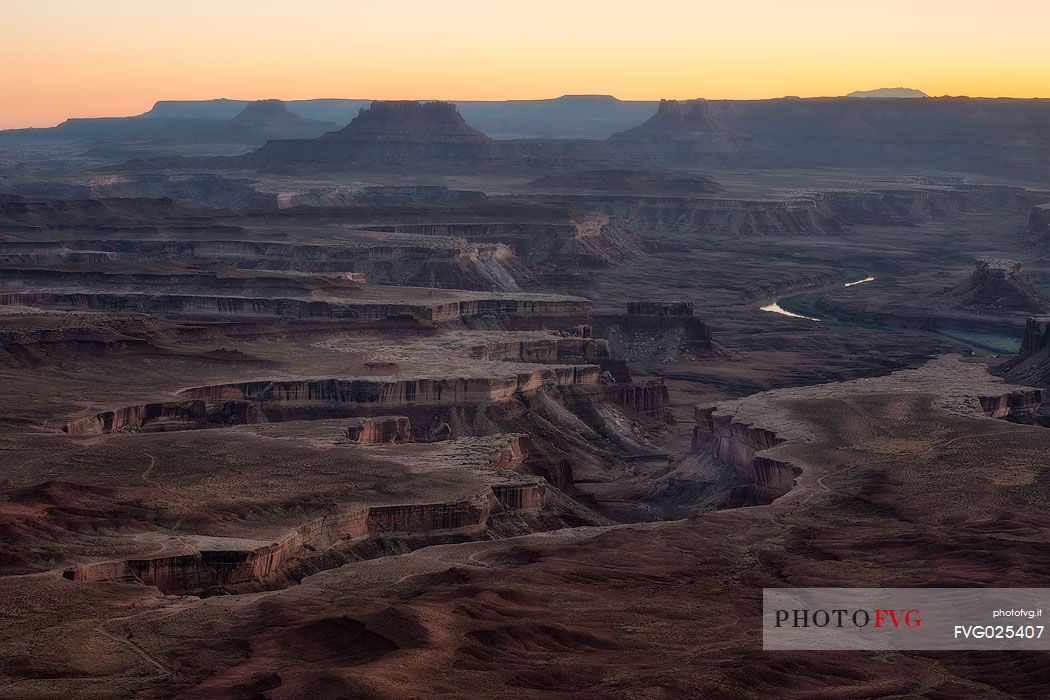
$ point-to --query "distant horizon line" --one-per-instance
(455, 101)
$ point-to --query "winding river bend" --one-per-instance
(776, 308)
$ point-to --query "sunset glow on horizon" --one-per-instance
(75, 59)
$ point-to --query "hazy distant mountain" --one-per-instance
(956, 133)
(889, 93)
(386, 133)
(266, 113)
(429, 136)
(149, 135)
(953, 133)
(568, 116)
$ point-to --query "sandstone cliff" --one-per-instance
(660, 331)
(255, 401)
(379, 429)
(760, 479)
(648, 398)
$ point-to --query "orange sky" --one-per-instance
(66, 58)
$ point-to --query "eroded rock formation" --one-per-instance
(760, 478)
(379, 429)
(998, 286)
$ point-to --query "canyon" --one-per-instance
(352, 398)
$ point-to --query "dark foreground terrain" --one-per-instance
(398, 409)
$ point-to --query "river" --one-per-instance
(776, 308)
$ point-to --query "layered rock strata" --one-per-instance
(450, 264)
(649, 398)
(277, 400)
(529, 310)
